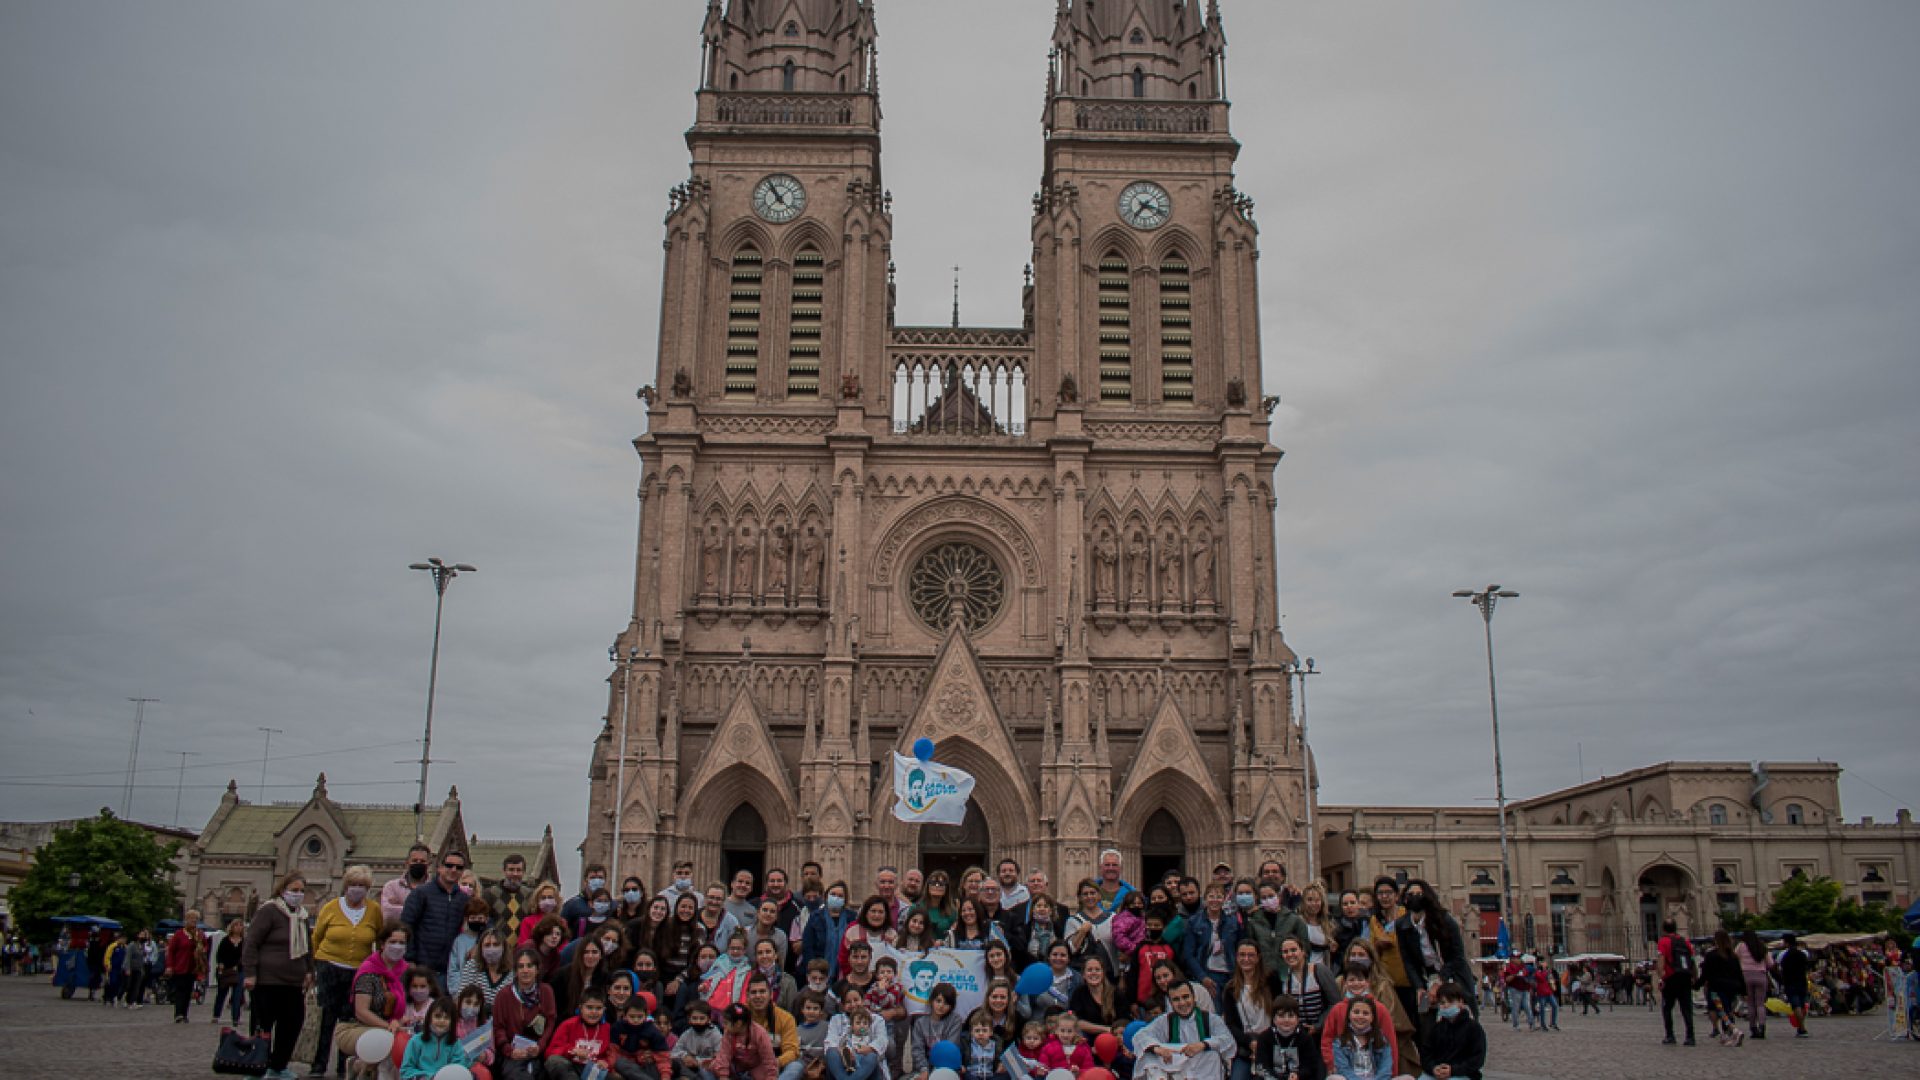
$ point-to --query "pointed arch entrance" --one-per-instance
(1163, 846)
(743, 843)
(954, 848)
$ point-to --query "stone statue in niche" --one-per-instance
(1137, 560)
(1202, 568)
(743, 553)
(1069, 391)
(713, 551)
(682, 384)
(779, 556)
(1106, 565)
(850, 387)
(1172, 565)
(1236, 393)
(812, 553)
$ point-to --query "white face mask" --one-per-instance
(356, 895)
(293, 899)
(395, 951)
(492, 953)
(548, 904)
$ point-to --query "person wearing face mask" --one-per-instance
(1213, 935)
(631, 904)
(580, 905)
(825, 928)
(379, 988)
(1455, 1047)
(487, 967)
(393, 895)
(435, 913)
(682, 883)
(546, 901)
(344, 934)
(1350, 923)
(479, 917)
(278, 963)
(1431, 946)
(599, 913)
(1270, 922)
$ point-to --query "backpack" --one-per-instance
(1683, 958)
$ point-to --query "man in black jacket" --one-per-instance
(435, 914)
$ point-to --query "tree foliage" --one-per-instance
(1814, 905)
(123, 874)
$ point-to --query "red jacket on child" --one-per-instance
(1054, 1056)
(574, 1034)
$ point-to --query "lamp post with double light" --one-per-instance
(625, 667)
(1485, 599)
(443, 573)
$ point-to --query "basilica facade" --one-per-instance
(1046, 547)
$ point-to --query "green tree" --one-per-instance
(1814, 905)
(122, 874)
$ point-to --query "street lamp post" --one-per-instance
(443, 573)
(620, 770)
(1313, 776)
(133, 755)
(266, 750)
(1485, 600)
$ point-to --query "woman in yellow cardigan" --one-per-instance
(343, 936)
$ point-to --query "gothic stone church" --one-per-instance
(1046, 547)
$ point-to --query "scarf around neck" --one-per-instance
(296, 927)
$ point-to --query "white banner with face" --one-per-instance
(927, 793)
(963, 969)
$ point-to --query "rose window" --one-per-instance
(956, 580)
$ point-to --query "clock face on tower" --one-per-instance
(1145, 205)
(779, 198)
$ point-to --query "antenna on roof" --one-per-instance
(956, 297)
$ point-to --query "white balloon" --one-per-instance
(943, 1074)
(374, 1045)
(1059, 1074)
(453, 1072)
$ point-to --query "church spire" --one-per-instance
(1155, 50)
(790, 46)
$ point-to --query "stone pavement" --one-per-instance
(43, 1036)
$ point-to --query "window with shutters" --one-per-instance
(1176, 332)
(743, 325)
(804, 324)
(1116, 331)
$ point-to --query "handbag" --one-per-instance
(239, 1055)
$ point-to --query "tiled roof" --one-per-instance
(380, 833)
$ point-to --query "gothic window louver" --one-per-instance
(743, 325)
(804, 320)
(1116, 331)
(1176, 331)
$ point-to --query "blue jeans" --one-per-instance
(1518, 1006)
(794, 1069)
(864, 1066)
(1542, 1004)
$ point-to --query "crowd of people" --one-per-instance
(799, 978)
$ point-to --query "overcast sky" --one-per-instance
(1617, 305)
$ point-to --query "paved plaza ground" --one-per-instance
(43, 1036)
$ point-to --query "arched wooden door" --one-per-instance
(954, 848)
(743, 844)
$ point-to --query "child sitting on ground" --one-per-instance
(1456, 1047)
(436, 1046)
(1288, 1049)
(698, 1045)
(582, 1039)
(1022, 1060)
(980, 1055)
(639, 1046)
(1065, 1050)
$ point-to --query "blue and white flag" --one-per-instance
(928, 793)
(963, 969)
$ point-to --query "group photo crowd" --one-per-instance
(440, 974)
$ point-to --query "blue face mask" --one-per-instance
(1448, 1012)
(1243, 900)
(835, 903)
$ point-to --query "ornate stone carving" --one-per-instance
(1150, 431)
(766, 425)
(1137, 567)
(985, 516)
(1236, 392)
(713, 551)
(779, 557)
(956, 580)
(1202, 568)
(1106, 565)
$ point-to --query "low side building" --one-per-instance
(1599, 866)
(246, 847)
(20, 839)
